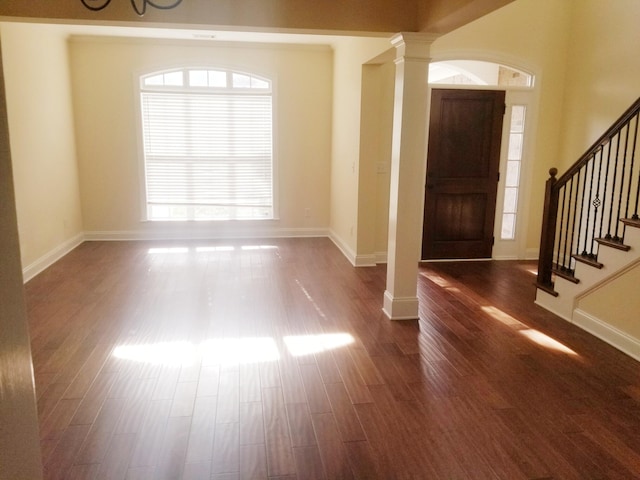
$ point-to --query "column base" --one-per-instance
(400, 308)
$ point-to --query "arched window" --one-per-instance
(208, 145)
(474, 72)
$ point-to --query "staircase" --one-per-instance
(591, 224)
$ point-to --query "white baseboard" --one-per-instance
(614, 337)
(381, 257)
(365, 261)
(51, 257)
(505, 257)
(343, 247)
(532, 254)
(370, 260)
(400, 308)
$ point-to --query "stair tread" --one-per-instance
(548, 289)
(589, 260)
(631, 222)
(565, 273)
(613, 243)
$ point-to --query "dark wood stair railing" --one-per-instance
(585, 206)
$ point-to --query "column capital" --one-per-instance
(413, 45)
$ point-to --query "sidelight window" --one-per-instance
(512, 180)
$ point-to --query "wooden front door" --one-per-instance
(462, 173)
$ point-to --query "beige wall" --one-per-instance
(42, 138)
(617, 303)
(349, 56)
(104, 88)
(603, 72)
(377, 102)
(19, 442)
(534, 35)
(375, 160)
(387, 72)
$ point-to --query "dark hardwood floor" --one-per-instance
(256, 360)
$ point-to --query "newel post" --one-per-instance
(548, 235)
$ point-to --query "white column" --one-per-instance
(408, 170)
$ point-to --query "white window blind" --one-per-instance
(207, 148)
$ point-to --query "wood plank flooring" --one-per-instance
(273, 360)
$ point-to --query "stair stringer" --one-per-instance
(613, 261)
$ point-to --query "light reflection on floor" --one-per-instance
(441, 282)
(531, 334)
(546, 341)
(302, 345)
(230, 351)
(208, 249)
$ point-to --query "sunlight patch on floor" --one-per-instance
(239, 351)
(502, 316)
(162, 353)
(546, 341)
(208, 249)
(302, 345)
(157, 250)
(220, 248)
(440, 281)
(531, 334)
(219, 351)
(230, 351)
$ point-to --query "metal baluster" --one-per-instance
(635, 138)
(613, 183)
(569, 241)
(596, 205)
(561, 244)
(576, 219)
(586, 231)
(559, 228)
(604, 190)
